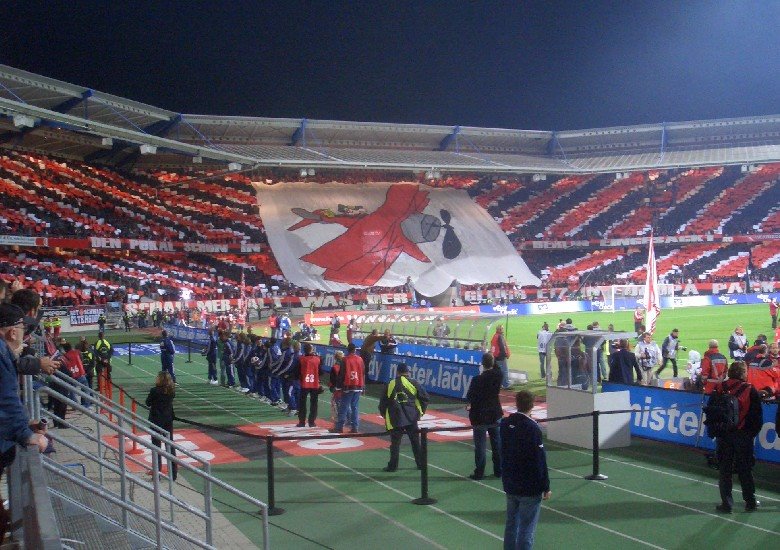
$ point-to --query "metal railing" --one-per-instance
(125, 427)
(33, 522)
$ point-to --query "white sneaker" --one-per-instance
(213, 382)
(244, 390)
(264, 399)
(282, 406)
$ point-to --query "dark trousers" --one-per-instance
(212, 368)
(160, 459)
(663, 366)
(480, 450)
(396, 434)
(735, 454)
(313, 396)
(774, 321)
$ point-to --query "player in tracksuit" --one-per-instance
(227, 360)
(283, 374)
(274, 365)
(211, 356)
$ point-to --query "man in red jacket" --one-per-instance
(352, 378)
(713, 367)
(308, 372)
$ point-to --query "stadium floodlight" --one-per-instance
(303, 172)
(310, 171)
(21, 121)
(186, 294)
(147, 149)
(234, 166)
(197, 160)
(107, 141)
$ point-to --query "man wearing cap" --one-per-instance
(15, 425)
(32, 360)
(402, 404)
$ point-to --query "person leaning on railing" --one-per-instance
(15, 425)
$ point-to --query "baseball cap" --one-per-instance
(10, 315)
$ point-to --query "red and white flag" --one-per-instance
(651, 301)
(335, 237)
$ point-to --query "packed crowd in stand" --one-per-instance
(46, 197)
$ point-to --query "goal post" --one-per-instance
(627, 297)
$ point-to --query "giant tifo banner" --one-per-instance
(676, 416)
(436, 376)
(335, 237)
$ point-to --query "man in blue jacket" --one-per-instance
(523, 473)
(167, 351)
(15, 426)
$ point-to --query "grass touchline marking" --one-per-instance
(364, 505)
(686, 478)
(436, 508)
(545, 506)
(196, 395)
(677, 504)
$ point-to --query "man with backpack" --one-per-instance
(402, 404)
(734, 419)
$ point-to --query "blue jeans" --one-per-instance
(505, 371)
(294, 392)
(168, 367)
(348, 410)
(480, 450)
(522, 513)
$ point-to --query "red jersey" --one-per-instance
(773, 308)
(72, 363)
(310, 372)
(765, 379)
(354, 373)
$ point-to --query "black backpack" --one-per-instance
(722, 412)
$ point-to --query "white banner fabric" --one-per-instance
(336, 236)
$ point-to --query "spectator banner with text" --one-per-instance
(675, 416)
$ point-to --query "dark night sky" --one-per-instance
(548, 65)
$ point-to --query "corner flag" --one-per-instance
(651, 300)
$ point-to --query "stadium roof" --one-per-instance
(55, 117)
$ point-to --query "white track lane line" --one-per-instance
(180, 388)
(385, 517)
(551, 509)
(410, 497)
(719, 517)
(670, 474)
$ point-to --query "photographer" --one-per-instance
(669, 348)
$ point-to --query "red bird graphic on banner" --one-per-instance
(373, 241)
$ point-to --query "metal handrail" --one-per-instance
(117, 470)
(206, 475)
(32, 515)
(125, 505)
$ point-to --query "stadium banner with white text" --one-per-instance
(436, 376)
(544, 308)
(675, 416)
(335, 237)
(192, 334)
(85, 315)
(454, 355)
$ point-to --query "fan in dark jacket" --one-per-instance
(160, 403)
(484, 413)
(735, 449)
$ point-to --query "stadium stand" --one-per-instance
(50, 197)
